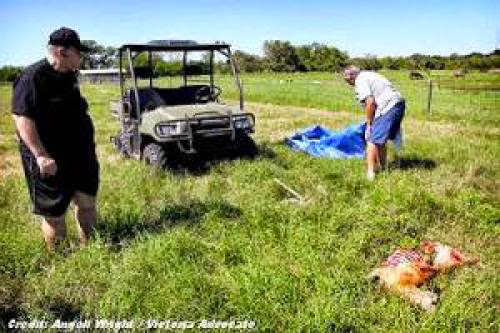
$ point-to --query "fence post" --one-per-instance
(429, 97)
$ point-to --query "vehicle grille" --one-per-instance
(208, 124)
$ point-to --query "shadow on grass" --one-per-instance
(202, 163)
(10, 303)
(412, 162)
(63, 310)
(342, 328)
(118, 231)
(9, 312)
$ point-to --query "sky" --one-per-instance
(381, 28)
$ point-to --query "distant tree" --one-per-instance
(197, 67)
(390, 63)
(248, 62)
(222, 67)
(495, 61)
(479, 62)
(369, 62)
(110, 58)
(305, 55)
(10, 73)
(89, 58)
(320, 57)
(99, 56)
(168, 68)
(432, 62)
(439, 62)
(142, 60)
(417, 61)
(280, 56)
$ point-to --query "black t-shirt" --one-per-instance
(53, 101)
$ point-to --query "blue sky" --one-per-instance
(358, 27)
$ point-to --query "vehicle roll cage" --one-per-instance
(132, 51)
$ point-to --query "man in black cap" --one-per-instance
(57, 139)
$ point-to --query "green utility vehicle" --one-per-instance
(163, 124)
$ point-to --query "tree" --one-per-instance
(369, 62)
(320, 57)
(99, 56)
(280, 56)
(168, 68)
(478, 62)
(10, 73)
(495, 61)
(248, 62)
(392, 63)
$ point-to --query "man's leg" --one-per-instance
(54, 230)
(382, 156)
(371, 160)
(85, 215)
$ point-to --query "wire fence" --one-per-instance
(472, 94)
(446, 95)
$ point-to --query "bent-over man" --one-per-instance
(384, 109)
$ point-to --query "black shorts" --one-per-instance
(51, 195)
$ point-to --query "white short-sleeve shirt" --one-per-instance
(369, 83)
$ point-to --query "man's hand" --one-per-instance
(368, 132)
(27, 131)
(47, 165)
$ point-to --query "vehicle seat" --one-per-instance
(149, 99)
(182, 95)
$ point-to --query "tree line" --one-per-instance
(282, 56)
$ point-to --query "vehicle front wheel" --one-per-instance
(245, 146)
(155, 155)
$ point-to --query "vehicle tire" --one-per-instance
(245, 146)
(155, 155)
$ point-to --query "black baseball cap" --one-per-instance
(67, 37)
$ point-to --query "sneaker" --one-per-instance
(370, 175)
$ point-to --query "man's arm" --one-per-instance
(370, 107)
(28, 133)
(364, 94)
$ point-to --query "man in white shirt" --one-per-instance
(384, 107)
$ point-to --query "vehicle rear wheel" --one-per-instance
(155, 155)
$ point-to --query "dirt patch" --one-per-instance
(278, 110)
(280, 122)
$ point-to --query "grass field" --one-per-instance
(224, 243)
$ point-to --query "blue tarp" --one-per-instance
(322, 142)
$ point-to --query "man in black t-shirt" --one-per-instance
(57, 138)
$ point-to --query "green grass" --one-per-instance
(226, 244)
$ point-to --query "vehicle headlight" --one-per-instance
(242, 123)
(169, 129)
